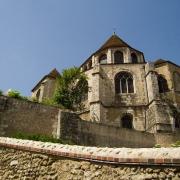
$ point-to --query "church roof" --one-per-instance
(159, 61)
(113, 41)
(53, 74)
(162, 61)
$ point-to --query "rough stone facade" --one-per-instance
(19, 159)
(27, 117)
(25, 165)
(46, 86)
(127, 92)
(20, 116)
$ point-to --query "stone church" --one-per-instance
(125, 90)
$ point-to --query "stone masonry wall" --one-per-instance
(104, 102)
(27, 117)
(33, 118)
(20, 159)
(95, 134)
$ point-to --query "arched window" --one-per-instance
(134, 58)
(162, 83)
(90, 64)
(118, 57)
(103, 59)
(83, 85)
(38, 94)
(177, 123)
(126, 121)
(85, 67)
(124, 83)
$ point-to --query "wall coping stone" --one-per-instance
(140, 156)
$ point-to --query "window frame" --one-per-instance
(116, 60)
(136, 58)
(102, 60)
(124, 89)
(162, 84)
(129, 118)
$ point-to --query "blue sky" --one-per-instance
(39, 35)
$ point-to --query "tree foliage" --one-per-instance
(71, 88)
(16, 94)
(1, 92)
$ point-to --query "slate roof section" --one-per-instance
(160, 62)
(113, 42)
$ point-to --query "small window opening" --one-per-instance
(134, 58)
(162, 83)
(124, 83)
(118, 57)
(103, 59)
(38, 94)
(126, 121)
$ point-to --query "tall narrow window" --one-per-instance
(177, 122)
(177, 81)
(90, 64)
(126, 121)
(162, 83)
(118, 57)
(134, 58)
(124, 83)
(85, 67)
(103, 59)
(38, 94)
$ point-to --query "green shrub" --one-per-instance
(33, 99)
(14, 94)
(48, 101)
(176, 144)
(51, 102)
(25, 98)
(39, 137)
(1, 92)
(157, 146)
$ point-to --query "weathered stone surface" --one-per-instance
(18, 116)
(16, 164)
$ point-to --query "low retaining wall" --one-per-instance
(96, 134)
(37, 160)
(34, 118)
(27, 117)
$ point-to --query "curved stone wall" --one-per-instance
(24, 159)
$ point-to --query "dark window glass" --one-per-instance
(134, 58)
(38, 94)
(162, 83)
(126, 121)
(103, 59)
(177, 123)
(130, 85)
(90, 64)
(85, 67)
(124, 83)
(118, 57)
